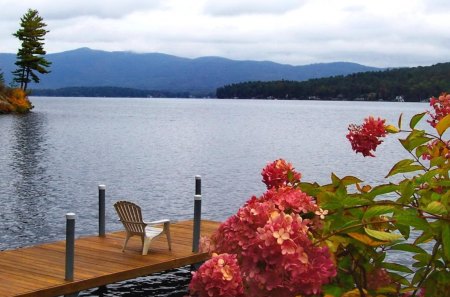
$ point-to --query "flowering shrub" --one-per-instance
(273, 239)
(337, 240)
(219, 276)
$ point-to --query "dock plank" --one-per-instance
(39, 270)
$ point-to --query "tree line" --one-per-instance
(408, 84)
(107, 92)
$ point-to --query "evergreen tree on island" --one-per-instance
(30, 56)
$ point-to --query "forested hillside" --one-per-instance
(412, 84)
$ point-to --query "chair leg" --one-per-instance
(167, 231)
(126, 241)
(146, 245)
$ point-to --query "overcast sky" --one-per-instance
(386, 33)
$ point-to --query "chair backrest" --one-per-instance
(131, 216)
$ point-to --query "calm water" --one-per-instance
(149, 150)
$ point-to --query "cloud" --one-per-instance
(382, 33)
(50, 9)
(239, 7)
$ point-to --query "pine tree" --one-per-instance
(30, 56)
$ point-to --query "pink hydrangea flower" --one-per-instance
(272, 243)
(218, 277)
(441, 108)
(279, 173)
(271, 239)
(290, 199)
(378, 278)
(437, 148)
(366, 137)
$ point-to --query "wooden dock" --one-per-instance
(40, 270)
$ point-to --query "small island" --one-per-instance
(30, 61)
(13, 100)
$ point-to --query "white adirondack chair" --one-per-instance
(130, 215)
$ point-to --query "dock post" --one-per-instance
(197, 213)
(70, 245)
(101, 210)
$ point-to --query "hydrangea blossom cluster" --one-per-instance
(366, 137)
(219, 276)
(272, 239)
(279, 173)
(441, 108)
(378, 278)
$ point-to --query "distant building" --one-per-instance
(399, 99)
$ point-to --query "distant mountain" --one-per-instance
(85, 67)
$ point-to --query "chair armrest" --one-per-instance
(158, 222)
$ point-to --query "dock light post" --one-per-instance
(197, 213)
(101, 210)
(70, 245)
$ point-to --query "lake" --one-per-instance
(149, 150)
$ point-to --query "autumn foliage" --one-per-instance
(14, 100)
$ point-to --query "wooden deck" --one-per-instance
(39, 270)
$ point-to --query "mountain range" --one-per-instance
(85, 67)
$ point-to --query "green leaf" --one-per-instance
(446, 240)
(335, 180)
(354, 201)
(436, 207)
(420, 150)
(391, 129)
(385, 236)
(366, 239)
(396, 267)
(437, 283)
(414, 139)
(424, 237)
(444, 183)
(397, 278)
(415, 119)
(331, 205)
(423, 258)
(309, 188)
(411, 218)
(418, 276)
(407, 190)
(382, 189)
(443, 125)
(407, 247)
(328, 200)
(445, 200)
(404, 166)
(355, 223)
(405, 230)
(333, 290)
(437, 161)
(350, 180)
(429, 175)
(377, 210)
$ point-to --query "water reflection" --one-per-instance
(29, 203)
